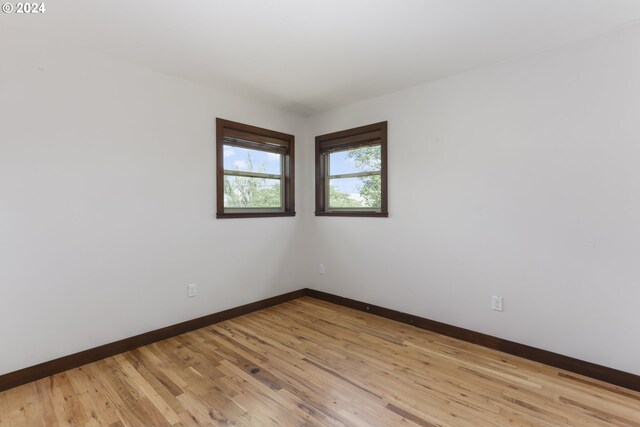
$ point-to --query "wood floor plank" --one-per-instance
(308, 362)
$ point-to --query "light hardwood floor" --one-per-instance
(308, 362)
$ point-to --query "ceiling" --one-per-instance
(309, 56)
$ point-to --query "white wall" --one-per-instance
(107, 206)
(520, 180)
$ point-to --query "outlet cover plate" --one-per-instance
(496, 303)
(192, 290)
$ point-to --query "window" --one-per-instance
(254, 170)
(351, 172)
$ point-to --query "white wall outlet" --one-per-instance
(192, 290)
(321, 269)
(496, 303)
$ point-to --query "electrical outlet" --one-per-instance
(191, 290)
(321, 269)
(496, 303)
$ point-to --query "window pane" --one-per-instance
(363, 159)
(362, 192)
(244, 159)
(245, 192)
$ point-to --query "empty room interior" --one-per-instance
(320, 213)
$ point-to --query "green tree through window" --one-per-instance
(255, 169)
(354, 178)
(351, 172)
(249, 192)
(368, 158)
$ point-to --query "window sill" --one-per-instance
(253, 215)
(351, 213)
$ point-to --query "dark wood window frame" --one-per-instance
(373, 134)
(255, 138)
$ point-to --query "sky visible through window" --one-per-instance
(261, 192)
(236, 158)
(340, 163)
(363, 191)
(252, 191)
